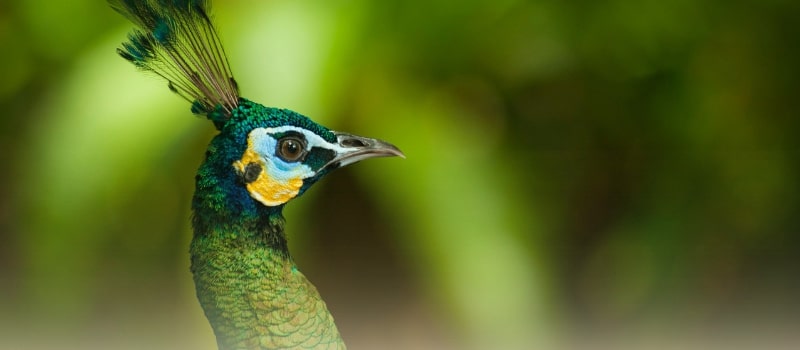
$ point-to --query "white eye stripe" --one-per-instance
(312, 139)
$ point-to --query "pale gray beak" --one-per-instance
(354, 148)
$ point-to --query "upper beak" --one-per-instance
(356, 148)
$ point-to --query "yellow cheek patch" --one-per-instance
(265, 189)
(271, 192)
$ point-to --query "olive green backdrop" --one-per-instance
(588, 174)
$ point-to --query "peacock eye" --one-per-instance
(291, 149)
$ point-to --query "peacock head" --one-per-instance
(282, 153)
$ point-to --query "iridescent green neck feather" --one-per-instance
(254, 296)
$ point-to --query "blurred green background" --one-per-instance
(581, 175)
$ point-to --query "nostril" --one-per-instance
(353, 143)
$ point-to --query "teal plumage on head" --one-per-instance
(247, 283)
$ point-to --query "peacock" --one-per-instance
(247, 283)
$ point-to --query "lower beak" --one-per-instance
(356, 148)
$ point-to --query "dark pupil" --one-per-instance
(291, 147)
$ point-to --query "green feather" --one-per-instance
(252, 293)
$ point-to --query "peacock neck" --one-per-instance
(246, 281)
(250, 290)
(230, 264)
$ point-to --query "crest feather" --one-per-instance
(176, 40)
